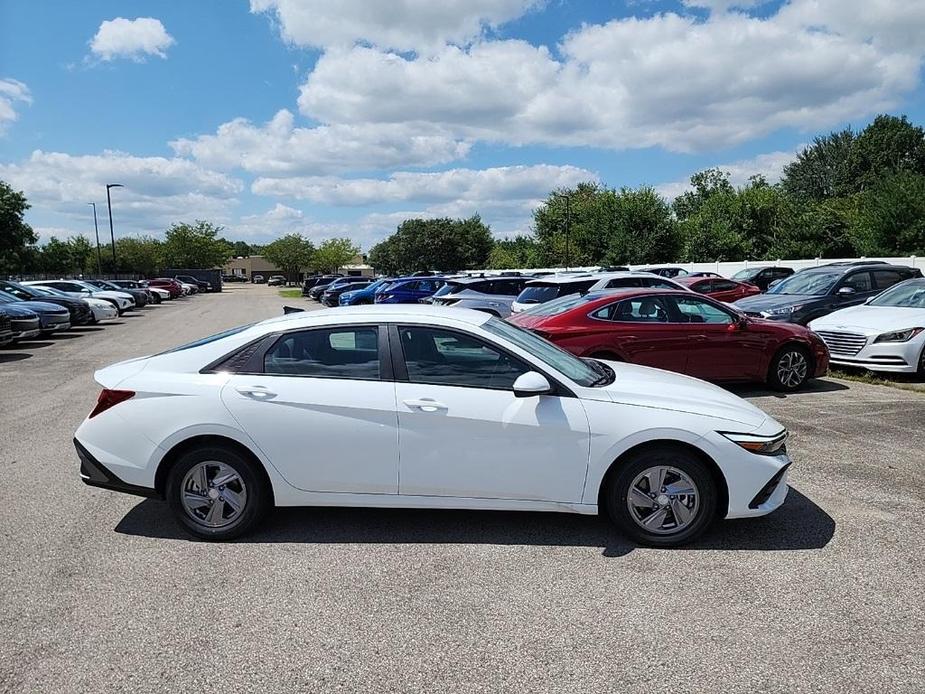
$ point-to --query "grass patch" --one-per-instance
(899, 381)
(290, 293)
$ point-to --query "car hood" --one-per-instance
(18, 311)
(871, 320)
(643, 386)
(38, 307)
(765, 302)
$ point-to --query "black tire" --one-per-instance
(257, 492)
(921, 371)
(783, 373)
(678, 459)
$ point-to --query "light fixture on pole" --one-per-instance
(99, 253)
(112, 235)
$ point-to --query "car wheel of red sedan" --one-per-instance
(662, 497)
(790, 369)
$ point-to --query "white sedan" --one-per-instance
(885, 334)
(100, 308)
(81, 290)
(424, 407)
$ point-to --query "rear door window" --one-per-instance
(351, 352)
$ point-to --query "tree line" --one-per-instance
(847, 194)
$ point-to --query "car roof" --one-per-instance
(842, 268)
(373, 313)
(565, 279)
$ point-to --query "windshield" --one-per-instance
(746, 274)
(47, 291)
(904, 295)
(541, 293)
(449, 288)
(562, 304)
(24, 293)
(582, 373)
(813, 283)
(8, 298)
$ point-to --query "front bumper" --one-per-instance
(890, 357)
(95, 474)
(54, 324)
(26, 328)
(107, 312)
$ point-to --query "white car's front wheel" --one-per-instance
(216, 493)
(662, 496)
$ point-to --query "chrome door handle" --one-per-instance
(256, 392)
(425, 404)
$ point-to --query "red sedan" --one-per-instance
(719, 288)
(680, 331)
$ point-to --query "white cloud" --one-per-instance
(131, 38)
(770, 165)
(723, 5)
(399, 24)
(667, 80)
(158, 191)
(12, 92)
(457, 186)
(278, 147)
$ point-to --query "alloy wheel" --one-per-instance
(792, 368)
(663, 500)
(213, 494)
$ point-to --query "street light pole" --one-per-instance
(112, 235)
(568, 224)
(99, 253)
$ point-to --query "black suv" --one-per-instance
(321, 280)
(817, 291)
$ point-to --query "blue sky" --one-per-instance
(342, 118)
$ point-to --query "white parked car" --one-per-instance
(121, 300)
(101, 309)
(424, 407)
(631, 278)
(885, 334)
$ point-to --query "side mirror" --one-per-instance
(531, 383)
(846, 292)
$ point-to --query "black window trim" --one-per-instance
(255, 363)
(671, 309)
(400, 369)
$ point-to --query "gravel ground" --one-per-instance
(101, 592)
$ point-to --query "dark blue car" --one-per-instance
(407, 290)
(363, 295)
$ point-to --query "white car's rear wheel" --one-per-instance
(662, 496)
(216, 493)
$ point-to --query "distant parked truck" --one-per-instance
(213, 277)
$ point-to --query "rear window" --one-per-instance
(562, 304)
(541, 293)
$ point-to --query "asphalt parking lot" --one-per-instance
(102, 592)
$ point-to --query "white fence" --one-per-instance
(727, 269)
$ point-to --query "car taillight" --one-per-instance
(109, 398)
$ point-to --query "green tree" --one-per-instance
(291, 254)
(890, 217)
(195, 246)
(83, 254)
(332, 254)
(517, 252)
(15, 235)
(56, 257)
(644, 230)
(141, 254)
(705, 185)
(240, 249)
(434, 244)
(583, 217)
(888, 146)
(821, 170)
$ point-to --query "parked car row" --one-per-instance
(42, 307)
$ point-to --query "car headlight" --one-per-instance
(899, 335)
(762, 445)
